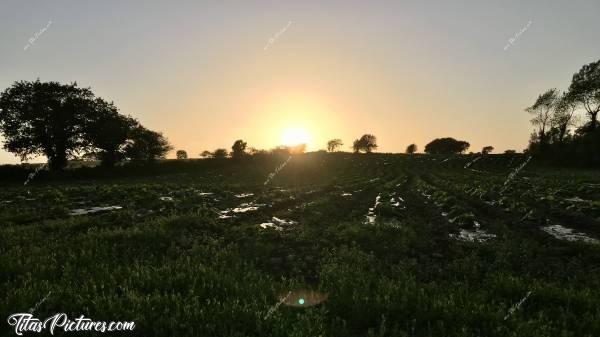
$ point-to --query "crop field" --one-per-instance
(311, 245)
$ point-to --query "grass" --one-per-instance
(176, 269)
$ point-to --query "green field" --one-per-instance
(447, 248)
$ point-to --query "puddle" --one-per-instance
(396, 203)
(243, 208)
(346, 194)
(278, 224)
(371, 215)
(283, 222)
(564, 233)
(266, 225)
(92, 210)
(166, 198)
(472, 236)
(204, 193)
(576, 199)
(246, 208)
(244, 195)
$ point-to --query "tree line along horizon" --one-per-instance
(566, 123)
(64, 121)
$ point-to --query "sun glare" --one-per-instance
(295, 136)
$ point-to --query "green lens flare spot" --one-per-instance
(301, 301)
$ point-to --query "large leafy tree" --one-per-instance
(145, 145)
(585, 88)
(446, 145)
(366, 143)
(44, 118)
(106, 132)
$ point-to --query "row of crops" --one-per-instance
(330, 245)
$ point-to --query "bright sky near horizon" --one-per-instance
(206, 73)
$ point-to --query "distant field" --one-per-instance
(394, 246)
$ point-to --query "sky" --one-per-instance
(206, 73)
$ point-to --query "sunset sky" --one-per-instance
(206, 73)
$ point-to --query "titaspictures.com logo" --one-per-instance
(25, 322)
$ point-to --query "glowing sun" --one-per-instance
(295, 136)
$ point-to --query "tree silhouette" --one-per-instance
(366, 143)
(146, 145)
(446, 145)
(181, 154)
(585, 90)
(555, 115)
(510, 152)
(206, 154)
(62, 121)
(238, 150)
(563, 117)
(105, 132)
(487, 149)
(542, 111)
(412, 148)
(220, 154)
(334, 144)
(44, 118)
